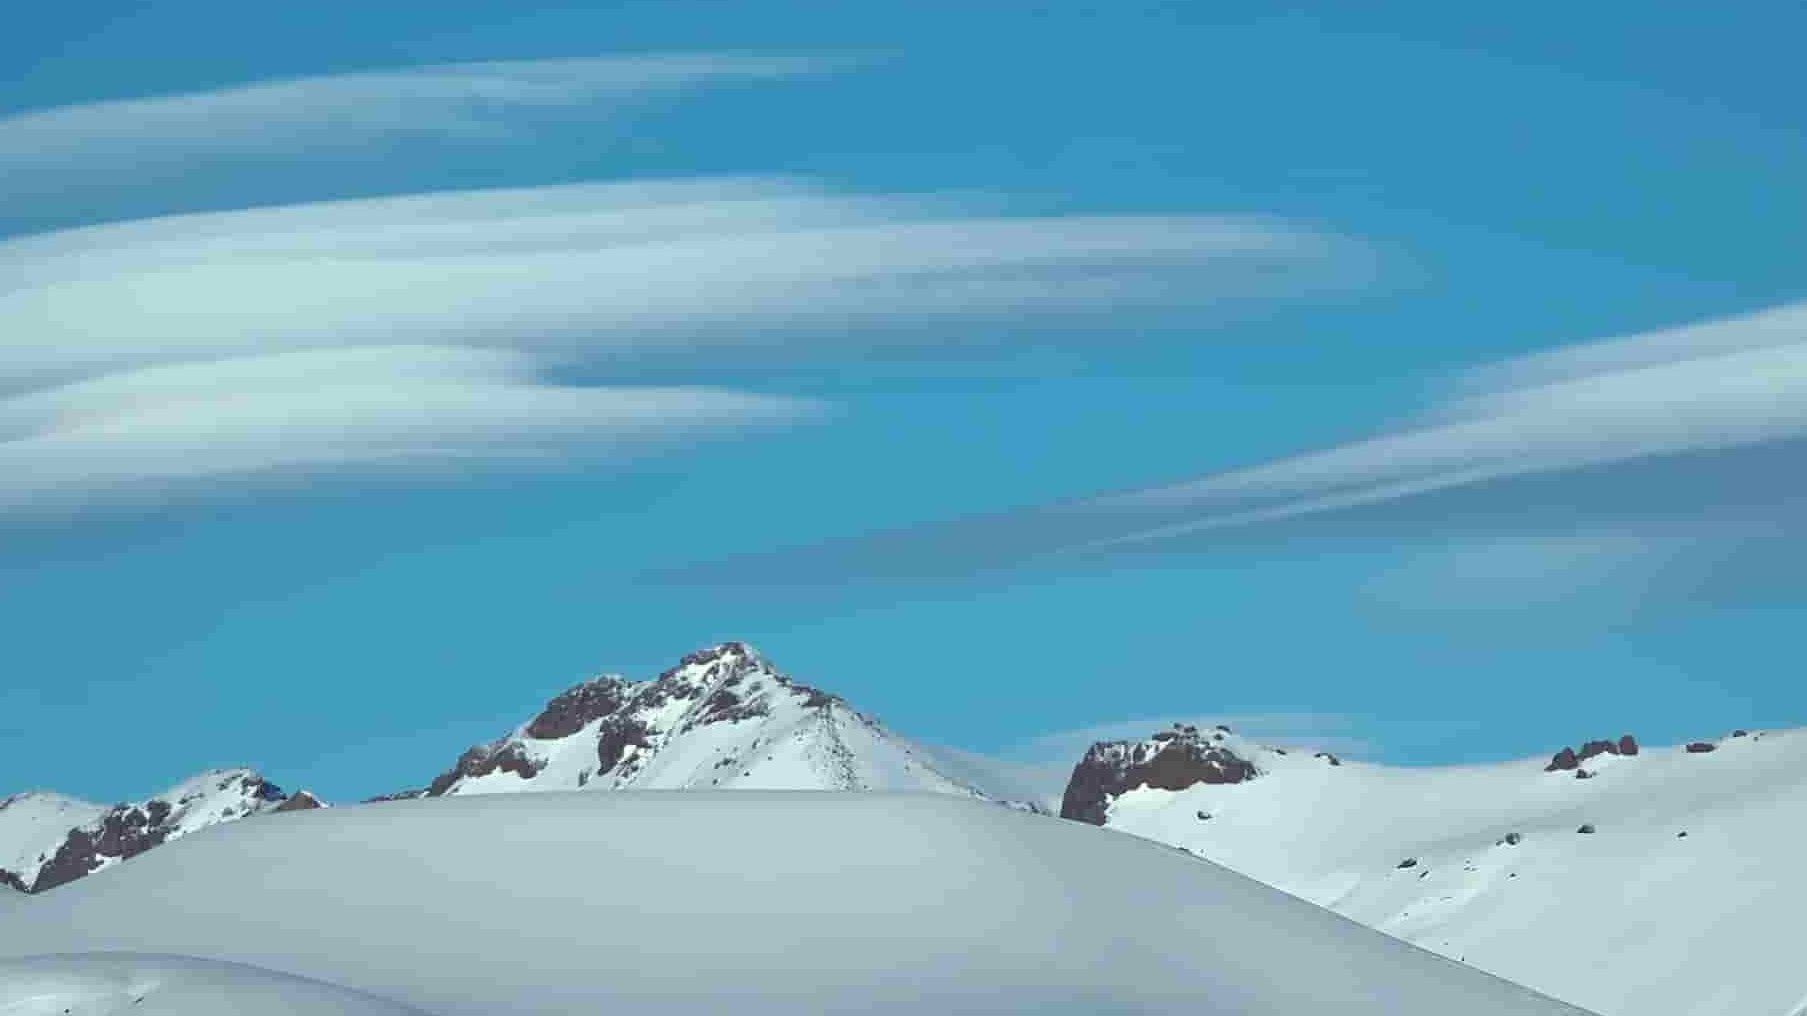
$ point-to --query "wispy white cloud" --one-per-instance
(116, 140)
(386, 333)
(655, 269)
(1626, 439)
(1728, 384)
(172, 431)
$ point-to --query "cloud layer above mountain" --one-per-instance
(1690, 434)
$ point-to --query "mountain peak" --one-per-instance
(723, 717)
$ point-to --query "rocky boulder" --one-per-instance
(1174, 762)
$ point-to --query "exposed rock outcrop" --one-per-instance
(1569, 759)
(301, 800)
(1173, 762)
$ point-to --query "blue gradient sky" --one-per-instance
(1491, 186)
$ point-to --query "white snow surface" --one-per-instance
(752, 902)
(791, 737)
(147, 985)
(1630, 920)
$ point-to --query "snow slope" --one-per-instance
(47, 840)
(117, 984)
(1677, 903)
(751, 902)
(723, 718)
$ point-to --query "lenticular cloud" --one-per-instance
(384, 334)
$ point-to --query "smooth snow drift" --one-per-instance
(1679, 900)
(125, 984)
(749, 901)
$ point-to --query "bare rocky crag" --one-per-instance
(1569, 760)
(1170, 760)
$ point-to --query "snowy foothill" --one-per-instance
(118, 984)
(757, 901)
(1660, 883)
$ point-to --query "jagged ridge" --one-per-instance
(47, 840)
(722, 718)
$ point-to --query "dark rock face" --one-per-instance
(12, 881)
(400, 795)
(1593, 748)
(1410, 862)
(301, 801)
(617, 735)
(483, 759)
(1563, 760)
(1111, 768)
(1586, 829)
(1568, 758)
(125, 831)
(1511, 840)
(570, 710)
(1328, 757)
(1700, 747)
(1741, 733)
(1583, 774)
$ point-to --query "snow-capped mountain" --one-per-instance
(47, 840)
(1633, 881)
(722, 719)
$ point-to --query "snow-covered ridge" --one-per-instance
(1633, 880)
(48, 840)
(722, 718)
(755, 903)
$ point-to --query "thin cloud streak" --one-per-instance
(176, 431)
(1701, 426)
(114, 140)
(659, 270)
(422, 333)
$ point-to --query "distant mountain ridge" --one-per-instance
(723, 718)
(1628, 879)
(1631, 879)
(48, 840)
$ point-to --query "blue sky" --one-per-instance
(367, 377)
